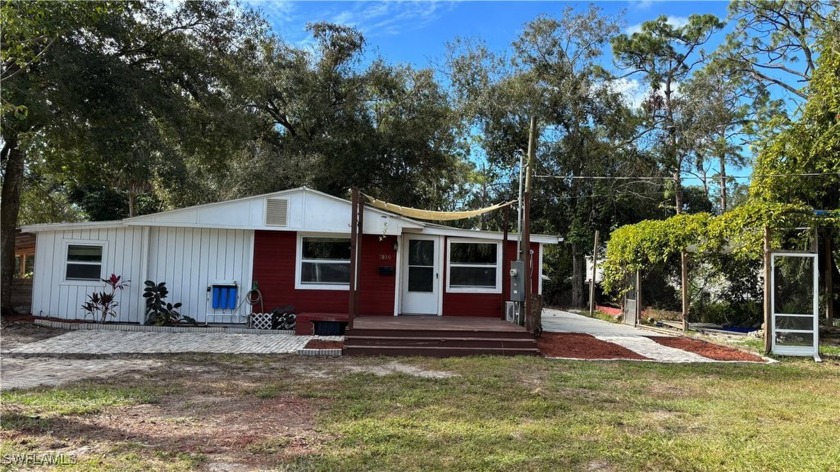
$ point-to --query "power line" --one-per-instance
(686, 177)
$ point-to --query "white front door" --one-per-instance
(421, 275)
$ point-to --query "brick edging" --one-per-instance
(157, 329)
(319, 352)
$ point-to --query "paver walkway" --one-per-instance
(653, 350)
(32, 372)
(126, 342)
(636, 339)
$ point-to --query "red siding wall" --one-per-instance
(488, 304)
(274, 269)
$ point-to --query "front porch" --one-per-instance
(437, 336)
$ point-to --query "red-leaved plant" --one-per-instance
(104, 304)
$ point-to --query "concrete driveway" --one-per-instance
(558, 321)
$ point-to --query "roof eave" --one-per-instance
(35, 228)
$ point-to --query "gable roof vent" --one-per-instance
(276, 212)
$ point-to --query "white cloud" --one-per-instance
(280, 13)
(285, 19)
(633, 91)
(280, 9)
(171, 6)
(388, 18)
(641, 4)
(674, 21)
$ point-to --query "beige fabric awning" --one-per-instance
(419, 214)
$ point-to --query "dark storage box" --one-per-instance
(330, 328)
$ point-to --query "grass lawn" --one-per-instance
(287, 412)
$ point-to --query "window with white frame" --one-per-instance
(84, 262)
(473, 267)
(324, 262)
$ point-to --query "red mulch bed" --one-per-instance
(321, 344)
(706, 349)
(582, 346)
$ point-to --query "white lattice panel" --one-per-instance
(261, 320)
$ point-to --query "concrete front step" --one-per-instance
(437, 351)
(440, 341)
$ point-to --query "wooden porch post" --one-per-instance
(638, 296)
(505, 258)
(360, 232)
(354, 250)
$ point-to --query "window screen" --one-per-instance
(84, 262)
(473, 265)
(325, 261)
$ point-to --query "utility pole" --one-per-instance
(519, 213)
(594, 271)
(768, 292)
(526, 234)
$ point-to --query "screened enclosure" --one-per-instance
(794, 304)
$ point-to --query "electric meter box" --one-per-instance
(517, 281)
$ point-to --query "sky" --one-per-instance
(416, 32)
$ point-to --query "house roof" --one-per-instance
(308, 210)
(79, 225)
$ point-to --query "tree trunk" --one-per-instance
(678, 199)
(829, 268)
(677, 161)
(723, 182)
(684, 287)
(132, 196)
(577, 277)
(9, 209)
(678, 192)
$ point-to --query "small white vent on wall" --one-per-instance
(276, 212)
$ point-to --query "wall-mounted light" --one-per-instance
(396, 244)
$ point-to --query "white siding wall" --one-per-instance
(308, 211)
(190, 259)
(52, 295)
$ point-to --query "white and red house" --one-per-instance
(294, 245)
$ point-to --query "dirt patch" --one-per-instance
(21, 330)
(582, 346)
(599, 466)
(706, 349)
(396, 367)
(245, 433)
(321, 344)
(29, 373)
